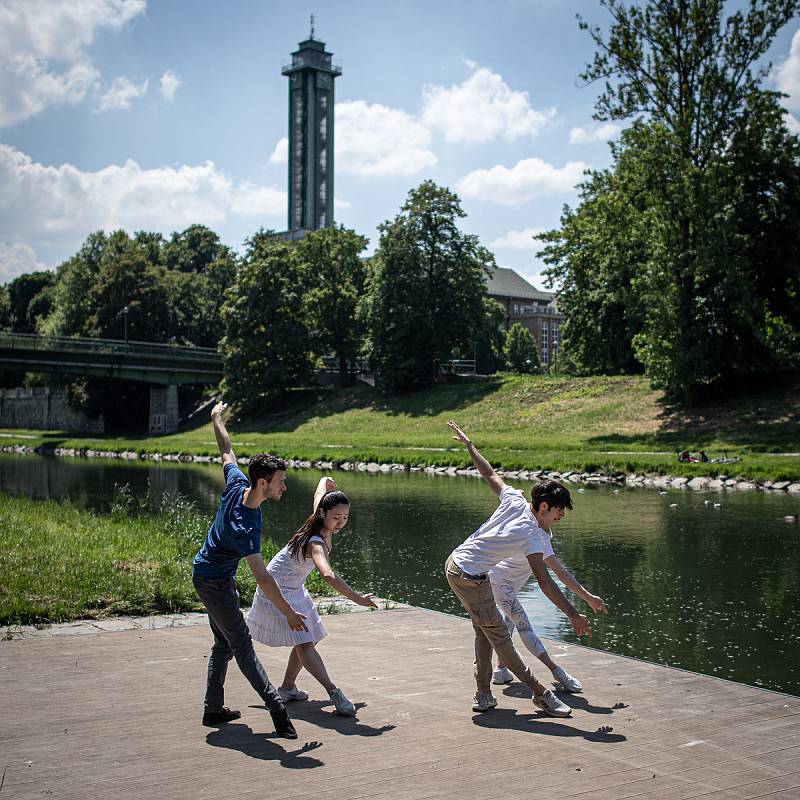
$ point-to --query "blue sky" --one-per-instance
(155, 115)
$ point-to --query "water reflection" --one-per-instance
(703, 588)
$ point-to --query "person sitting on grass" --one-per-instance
(549, 500)
(234, 534)
(308, 548)
(509, 532)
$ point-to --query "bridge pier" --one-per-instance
(163, 409)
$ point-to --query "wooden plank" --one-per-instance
(117, 715)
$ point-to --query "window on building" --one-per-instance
(544, 336)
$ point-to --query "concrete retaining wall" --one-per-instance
(44, 409)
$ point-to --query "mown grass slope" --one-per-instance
(609, 423)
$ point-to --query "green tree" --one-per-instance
(266, 344)
(127, 280)
(195, 300)
(29, 298)
(687, 73)
(522, 354)
(5, 310)
(193, 250)
(73, 296)
(426, 289)
(594, 259)
(333, 272)
(490, 339)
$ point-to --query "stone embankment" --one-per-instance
(697, 483)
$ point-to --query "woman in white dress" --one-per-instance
(308, 548)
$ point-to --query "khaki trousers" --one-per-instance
(490, 630)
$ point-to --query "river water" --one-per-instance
(710, 588)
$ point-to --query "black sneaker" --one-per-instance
(283, 725)
(221, 716)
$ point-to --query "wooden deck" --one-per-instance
(117, 715)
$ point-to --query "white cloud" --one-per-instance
(170, 83)
(596, 133)
(17, 258)
(121, 93)
(518, 240)
(482, 108)
(792, 123)
(787, 75)
(257, 201)
(60, 205)
(341, 205)
(373, 140)
(280, 155)
(377, 140)
(528, 178)
(43, 61)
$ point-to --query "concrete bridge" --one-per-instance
(163, 366)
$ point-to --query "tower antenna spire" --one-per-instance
(311, 35)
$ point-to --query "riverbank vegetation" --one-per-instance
(614, 424)
(60, 562)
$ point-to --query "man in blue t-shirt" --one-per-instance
(235, 534)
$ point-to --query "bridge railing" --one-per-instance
(32, 341)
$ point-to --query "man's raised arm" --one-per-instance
(481, 464)
(221, 434)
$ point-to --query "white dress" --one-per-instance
(267, 625)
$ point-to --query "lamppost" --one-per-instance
(125, 319)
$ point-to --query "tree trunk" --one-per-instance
(344, 372)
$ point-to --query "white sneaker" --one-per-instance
(343, 705)
(292, 694)
(550, 704)
(502, 675)
(566, 680)
(483, 701)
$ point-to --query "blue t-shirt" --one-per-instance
(234, 533)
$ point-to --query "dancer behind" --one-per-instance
(510, 531)
(549, 499)
(308, 548)
(234, 534)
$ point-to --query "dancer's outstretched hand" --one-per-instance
(597, 603)
(218, 409)
(459, 435)
(581, 625)
(366, 600)
(297, 621)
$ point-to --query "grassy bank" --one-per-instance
(59, 562)
(602, 423)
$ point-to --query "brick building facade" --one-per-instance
(535, 310)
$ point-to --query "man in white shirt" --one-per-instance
(549, 499)
(509, 532)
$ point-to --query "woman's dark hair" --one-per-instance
(313, 525)
(552, 493)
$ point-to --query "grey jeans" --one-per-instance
(231, 640)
